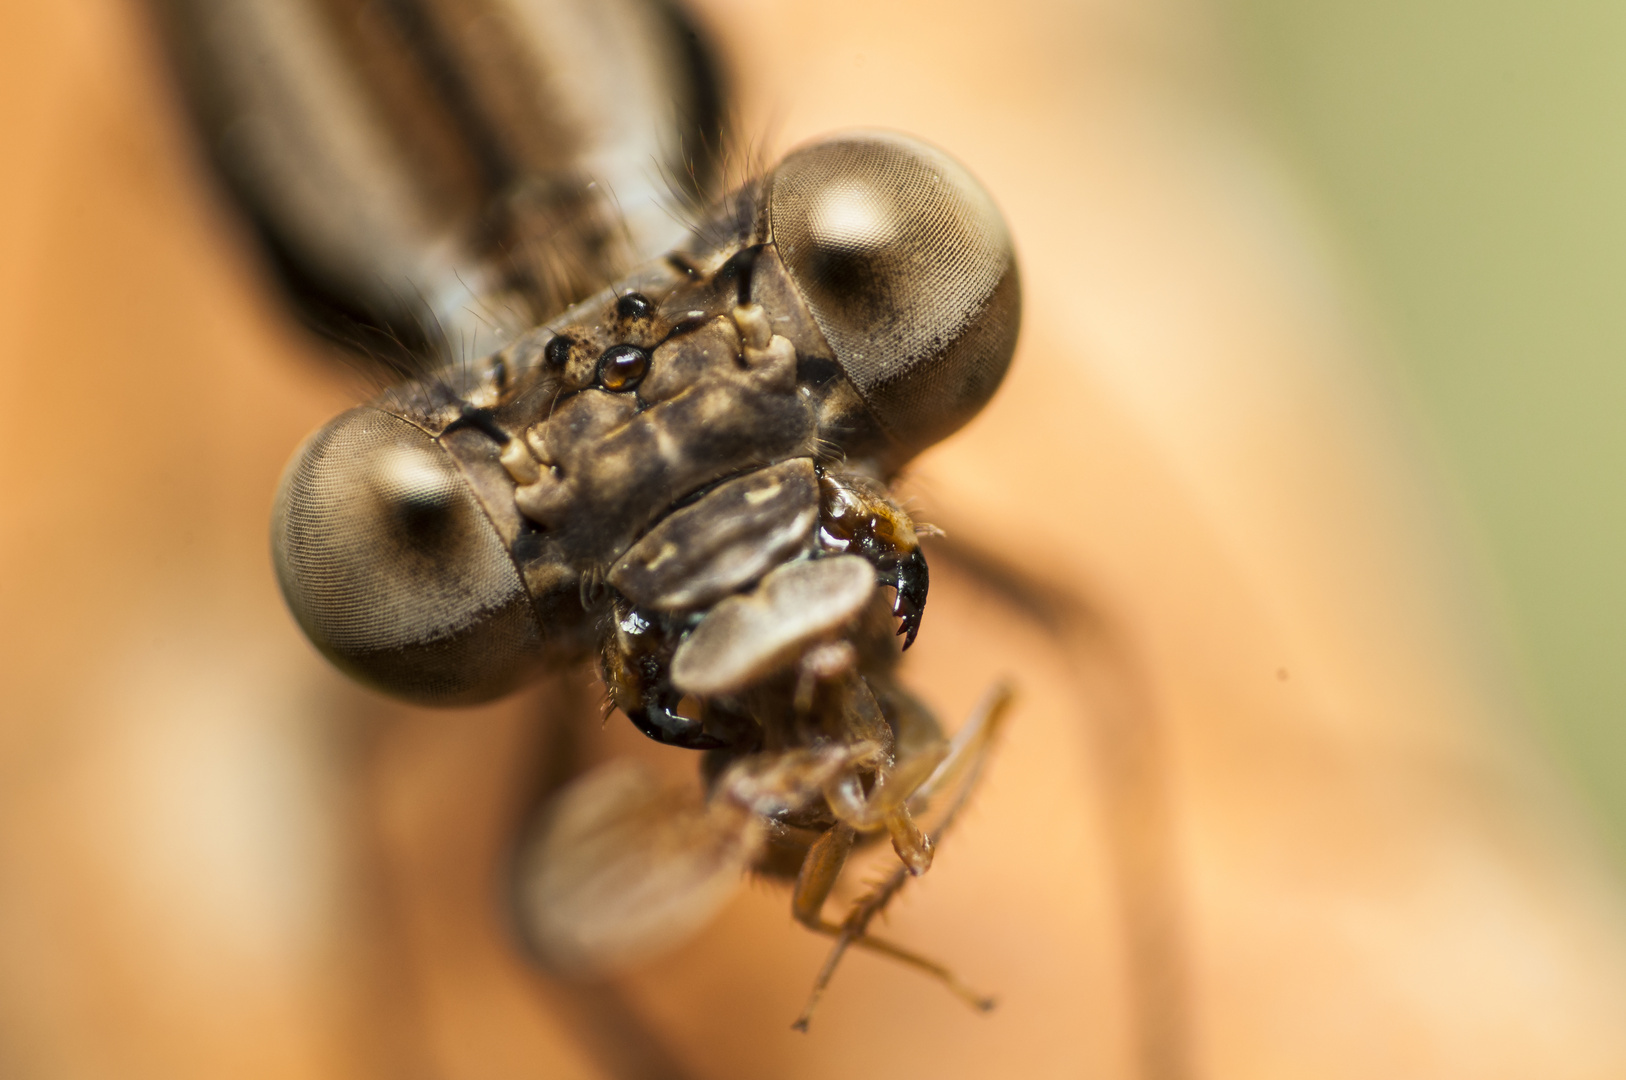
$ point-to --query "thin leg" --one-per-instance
(854, 930)
(920, 963)
(820, 869)
(968, 749)
(893, 790)
(969, 754)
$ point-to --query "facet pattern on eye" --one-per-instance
(908, 270)
(391, 566)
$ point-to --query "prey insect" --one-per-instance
(687, 474)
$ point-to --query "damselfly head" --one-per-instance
(856, 305)
(393, 569)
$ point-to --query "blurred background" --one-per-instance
(1463, 158)
(1294, 520)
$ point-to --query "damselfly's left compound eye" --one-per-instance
(905, 264)
(393, 569)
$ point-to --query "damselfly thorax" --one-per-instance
(430, 175)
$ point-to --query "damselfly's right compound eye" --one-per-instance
(905, 264)
(393, 568)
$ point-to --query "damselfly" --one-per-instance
(685, 473)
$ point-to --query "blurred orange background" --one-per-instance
(1264, 809)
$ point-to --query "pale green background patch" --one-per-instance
(1471, 156)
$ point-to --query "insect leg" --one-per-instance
(967, 755)
(894, 778)
(820, 869)
(883, 947)
(887, 807)
(854, 930)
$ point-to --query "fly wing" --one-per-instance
(424, 171)
(620, 866)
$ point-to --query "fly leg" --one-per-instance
(848, 696)
(961, 769)
(887, 806)
(820, 869)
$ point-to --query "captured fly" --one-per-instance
(686, 475)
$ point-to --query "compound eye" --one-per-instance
(907, 268)
(393, 569)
